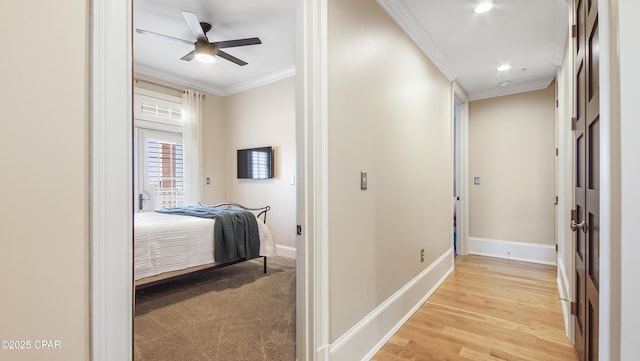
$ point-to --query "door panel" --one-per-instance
(586, 214)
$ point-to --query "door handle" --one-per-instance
(576, 226)
(141, 199)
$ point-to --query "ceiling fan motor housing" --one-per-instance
(203, 47)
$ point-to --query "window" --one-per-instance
(159, 148)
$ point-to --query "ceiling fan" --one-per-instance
(206, 51)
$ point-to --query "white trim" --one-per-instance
(518, 251)
(513, 89)
(564, 292)
(399, 12)
(221, 92)
(111, 177)
(312, 281)
(368, 336)
(609, 324)
(286, 251)
(178, 80)
(462, 221)
(263, 80)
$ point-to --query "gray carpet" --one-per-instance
(232, 313)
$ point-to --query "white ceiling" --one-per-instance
(467, 47)
(272, 21)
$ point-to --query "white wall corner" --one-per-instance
(368, 336)
(517, 251)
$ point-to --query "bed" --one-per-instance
(170, 244)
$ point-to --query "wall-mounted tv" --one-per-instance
(255, 163)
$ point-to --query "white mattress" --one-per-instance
(167, 242)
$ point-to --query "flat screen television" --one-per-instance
(255, 163)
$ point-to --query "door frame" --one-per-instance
(462, 162)
(111, 175)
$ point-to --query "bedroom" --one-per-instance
(240, 106)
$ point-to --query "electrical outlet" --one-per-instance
(422, 255)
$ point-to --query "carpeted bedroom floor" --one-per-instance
(232, 313)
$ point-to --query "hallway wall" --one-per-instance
(512, 151)
(393, 122)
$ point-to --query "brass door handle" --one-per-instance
(576, 226)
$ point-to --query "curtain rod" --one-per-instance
(158, 84)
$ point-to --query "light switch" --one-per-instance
(293, 181)
(207, 180)
(476, 180)
(363, 180)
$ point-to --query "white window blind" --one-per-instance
(157, 107)
(163, 110)
(165, 171)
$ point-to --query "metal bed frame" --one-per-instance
(259, 212)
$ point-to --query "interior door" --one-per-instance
(585, 217)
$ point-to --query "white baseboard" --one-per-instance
(518, 251)
(286, 251)
(368, 336)
(565, 297)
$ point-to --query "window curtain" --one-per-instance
(192, 145)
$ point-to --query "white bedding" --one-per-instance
(166, 242)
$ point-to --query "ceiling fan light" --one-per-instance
(483, 7)
(205, 58)
(205, 53)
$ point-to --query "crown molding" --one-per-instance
(159, 74)
(263, 80)
(399, 12)
(221, 92)
(512, 89)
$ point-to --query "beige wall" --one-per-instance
(265, 116)
(389, 115)
(44, 128)
(511, 149)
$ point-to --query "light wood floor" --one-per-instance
(488, 309)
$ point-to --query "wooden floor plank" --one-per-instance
(488, 309)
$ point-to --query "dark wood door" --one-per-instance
(586, 214)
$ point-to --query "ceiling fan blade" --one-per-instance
(194, 25)
(237, 42)
(189, 56)
(147, 32)
(231, 58)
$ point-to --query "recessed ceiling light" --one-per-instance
(483, 7)
(504, 83)
(504, 67)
